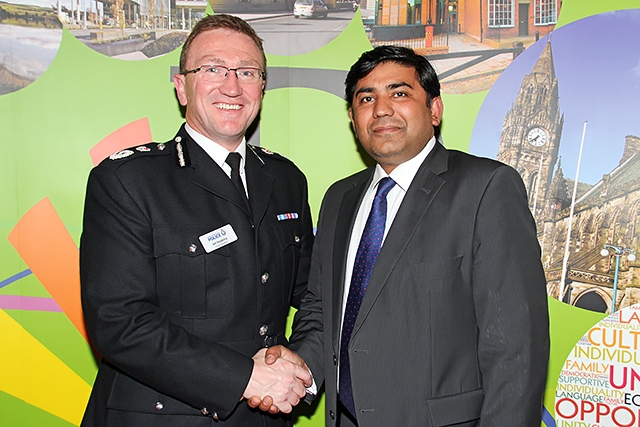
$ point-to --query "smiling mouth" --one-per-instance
(223, 106)
(385, 129)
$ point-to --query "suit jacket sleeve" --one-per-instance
(306, 245)
(120, 300)
(511, 305)
(307, 337)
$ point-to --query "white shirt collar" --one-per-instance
(404, 173)
(216, 151)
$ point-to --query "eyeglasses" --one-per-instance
(217, 73)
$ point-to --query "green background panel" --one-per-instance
(16, 413)
(315, 134)
(49, 127)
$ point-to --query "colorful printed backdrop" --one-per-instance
(65, 105)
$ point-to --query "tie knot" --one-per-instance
(233, 160)
(384, 186)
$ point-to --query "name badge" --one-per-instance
(218, 238)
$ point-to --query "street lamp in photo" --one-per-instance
(618, 251)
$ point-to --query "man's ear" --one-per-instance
(179, 83)
(437, 108)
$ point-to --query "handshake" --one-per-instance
(278, 381)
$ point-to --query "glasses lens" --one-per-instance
(248, 74)
(217, 73)
(213, 73)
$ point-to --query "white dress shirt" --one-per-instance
(403, 175)
(219, 154)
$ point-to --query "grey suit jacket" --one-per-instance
(453, 328)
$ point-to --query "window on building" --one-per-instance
(542, 95)
(501, 13)
(533, 187)
(545, 12)
(529, 94)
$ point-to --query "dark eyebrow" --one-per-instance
(364, 90)
(399, 84)
(390, 86)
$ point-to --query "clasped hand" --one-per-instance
(278, 381)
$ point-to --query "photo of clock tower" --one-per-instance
(580, 224)
(531, 131)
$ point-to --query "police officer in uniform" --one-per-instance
(192, 253)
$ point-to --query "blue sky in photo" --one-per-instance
(28, 51)
(597, 63)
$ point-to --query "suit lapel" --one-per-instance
(421, 193)
(344, 227)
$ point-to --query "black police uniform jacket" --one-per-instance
(177, 324)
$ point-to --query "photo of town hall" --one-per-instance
(588, 232)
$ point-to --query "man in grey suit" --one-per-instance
(451, 327)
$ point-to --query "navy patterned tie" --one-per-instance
(366, 256)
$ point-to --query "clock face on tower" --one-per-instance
(537, 137)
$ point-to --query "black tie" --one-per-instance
(233, 160)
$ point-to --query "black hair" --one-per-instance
(401, 55)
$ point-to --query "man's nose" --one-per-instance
(231, 85)
(382, 107)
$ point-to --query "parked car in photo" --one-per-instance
(310, 9)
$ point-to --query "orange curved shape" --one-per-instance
(44, 243)
(135, 133)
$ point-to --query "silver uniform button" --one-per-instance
(193, 247)
(215, 416)
(159, 406)
(297, 239)
(263, 330)
(161, 147)
(204, 411)
(178, 139)
(265, 277)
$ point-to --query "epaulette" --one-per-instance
(257, 150)
(151, 148)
